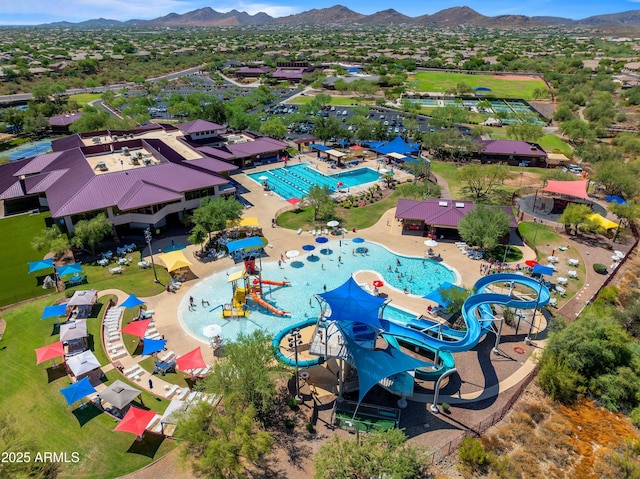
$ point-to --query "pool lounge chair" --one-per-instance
(572, 273)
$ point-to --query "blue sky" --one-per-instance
(33, 12)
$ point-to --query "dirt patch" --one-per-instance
(525, 178)
(517, 77)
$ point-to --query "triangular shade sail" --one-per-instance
(83, 363)
(151, 346)
(137, 328)
(577, 189)
(135, 421)
(539, 269)
(55, 310)
(40, 264)
(175, 260)
(397, 145)
(49, 351)
(119, 394)
(131, 302)
(77, 391)
(191, 360)
(602, 221)
(374, 365)
(70, 269)
(350, 302)
(436, 295)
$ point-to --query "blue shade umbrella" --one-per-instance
(151, 346)
(308, 247)
(539, 269)
(40, 264)
(70, 269)
(358, 240)
(322, 239)
(132, 302)
(56, 310)
(77, 391)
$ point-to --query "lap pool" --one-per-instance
(308, 274)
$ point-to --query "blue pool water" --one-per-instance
(296, 180)
(308, 274)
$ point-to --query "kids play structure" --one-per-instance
(248, 282)
(352, 330)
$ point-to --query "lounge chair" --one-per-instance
(572, 273)
(562, 281)
(573, 262)
(116, 270)
(553, 302)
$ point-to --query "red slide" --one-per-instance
(276, 283)
(264, 304)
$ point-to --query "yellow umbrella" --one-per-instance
(250, 222)
(175, 260)
(602, 221)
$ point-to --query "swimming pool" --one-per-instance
(296, 180)
(308, 275)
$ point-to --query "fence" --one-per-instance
(480, 428)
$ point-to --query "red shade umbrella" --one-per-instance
(340, 183)
(378, 284)
(356, 147)
(49, 351)
(293, 201)
(135, 421)
(137, 328)
(531, 263)
(191, 360)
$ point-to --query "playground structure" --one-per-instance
(351, 334)
(249, 283)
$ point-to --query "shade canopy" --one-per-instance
(602, 221)
(119, 394)
(358, 240)
(246, 244)
(615, 199)
(77, 391)
(333, 223)
(82, 363)
(49, 351)
(237, 276)
(40, 264)
(191, 360)
(55, 310)
(250, 222)
(137, 328)
(436, 295)
(131, 302)
(577, 189)
(350, 302)
(546, 270)
(175, 260)
(73, 330)
(308, 247)
(135, 421)
(294, 253)
(431, 243)
(85, 297)
(151, 346)
(70, 269)
(531, 263)
(322, 239)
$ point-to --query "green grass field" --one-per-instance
(30, 393)
(84, 98)
(500, 87)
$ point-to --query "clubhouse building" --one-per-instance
(150, 176)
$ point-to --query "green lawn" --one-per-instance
(15, 252)
(555, 144)
(30, 393)
(500, 87)
(335, 100)
(84, 98)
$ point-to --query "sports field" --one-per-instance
(503, 86)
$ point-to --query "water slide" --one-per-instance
(275, 283)
(290, 361)
(268, 306)
(476, 312)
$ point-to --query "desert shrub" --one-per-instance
(608, 294)
(558, 380)
(473, 456)
(527, 464)
(536, 410)
(618, 390)
(635, 417)
(600, 268)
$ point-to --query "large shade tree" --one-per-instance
(213, 214)
(484, 226)
(91, 232)
(482, 180)
(320, 200)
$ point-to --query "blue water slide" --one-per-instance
(302, 363)
(446, 359)
(532, 283)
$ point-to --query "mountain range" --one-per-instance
(341, 15)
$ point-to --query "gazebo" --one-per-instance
(83, 365)
(73, 335)
(81, 303)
